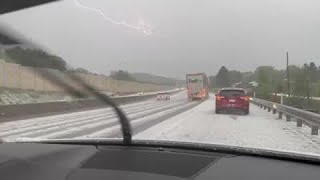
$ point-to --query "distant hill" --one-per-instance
(154, 79)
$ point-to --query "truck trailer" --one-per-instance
(197, 86)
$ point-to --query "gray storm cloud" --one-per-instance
(187, 36)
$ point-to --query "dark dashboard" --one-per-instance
(78, 162)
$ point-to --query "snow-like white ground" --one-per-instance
(27, 97)
(93, 123)
(260, 129)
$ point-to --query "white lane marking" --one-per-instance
(82, 119)
(60, 118)
(26, 122)
(114, 129)
(49, 119)
(176, 98)
(80, 126)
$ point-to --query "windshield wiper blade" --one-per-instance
(8, 6)
(13, 38)
(125, 124)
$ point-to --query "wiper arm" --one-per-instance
(8, 6)
(125, 124)
(83, 91)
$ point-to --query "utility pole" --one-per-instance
(288, 79)
(308, 93)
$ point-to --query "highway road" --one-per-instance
(96, 123)
(259, 129)
(176, 119)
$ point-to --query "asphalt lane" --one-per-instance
(96, 123)
(259, 129)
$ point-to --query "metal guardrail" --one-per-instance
(300, 116)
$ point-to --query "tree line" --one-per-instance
(121, 75)
(34, 58)
(40, 59)
(303, 80)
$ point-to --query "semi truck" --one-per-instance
(197, 86)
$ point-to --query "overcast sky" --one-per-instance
(175, 37)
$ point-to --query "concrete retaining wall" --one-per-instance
(27, 78)
(25, 111)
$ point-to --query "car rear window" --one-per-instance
(229, 93)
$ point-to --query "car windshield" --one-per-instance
(230, 93)
(265, 51)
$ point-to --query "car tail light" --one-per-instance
(219, 98)
(246, 98)
(203, 92)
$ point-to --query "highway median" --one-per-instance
(24, 111)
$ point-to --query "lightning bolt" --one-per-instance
(141, 27)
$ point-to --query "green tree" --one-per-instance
(313, 72)
(270, 81)
(247, 77)
(80, 70)
(264, 74)
(35, 58)
(296, 74)
(313, 66)
(212, 81)
(121, 75)
(235, 76)
(222, 78)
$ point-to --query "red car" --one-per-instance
(232, 99)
